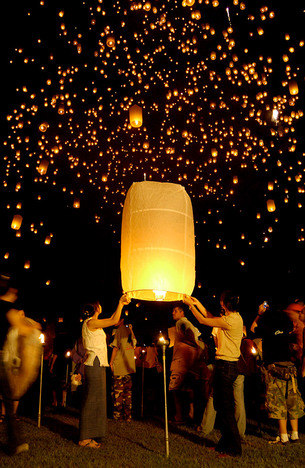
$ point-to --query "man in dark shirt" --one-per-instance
(283, 399)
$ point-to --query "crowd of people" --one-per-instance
(207, 375)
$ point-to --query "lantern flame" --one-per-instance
(160, 295)
(41, 338)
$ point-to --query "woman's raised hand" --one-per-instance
(125, 299)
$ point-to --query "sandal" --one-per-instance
(90, 444)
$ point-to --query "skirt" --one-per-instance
(93, 417)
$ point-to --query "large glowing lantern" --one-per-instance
(157, 243)
(135, 116)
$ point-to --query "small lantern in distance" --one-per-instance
(271, 206)
(293, 88)
(110, 41)
(16, 223)
(43, 167)
(76, 203)
(135, 116)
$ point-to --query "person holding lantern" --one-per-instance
(122, 364)
(229, 334)
(93, 418)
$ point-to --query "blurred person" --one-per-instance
(185, 355)
(122, 364)
(283, 399)
(19, 365)
(58, 366)
(229, 332)
(93, 417)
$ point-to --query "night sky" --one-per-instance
(208, 76)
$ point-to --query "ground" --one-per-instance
(141, 444)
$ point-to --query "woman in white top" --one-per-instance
(93, 418)
(229, 336)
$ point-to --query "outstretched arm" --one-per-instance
(93, 324)
(200, 314)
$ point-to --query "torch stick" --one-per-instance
(40, 384)
(164, 343)
(142, 395)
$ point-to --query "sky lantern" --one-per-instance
(27, 264)
(43, 127)
(270, 186)
(110, 41)
(43, 167)
(293, 87)
(47, 240)
(157, 242)
(271, 206)
(135, 116)
(16, 223)
(76, 203)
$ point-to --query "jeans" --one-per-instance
(226, 373)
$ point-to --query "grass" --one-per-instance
(141, 444)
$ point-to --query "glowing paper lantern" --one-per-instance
(157, 243)
(43, 167)
(76, 203)
(110, 41)
(135, 116)
(271, 206)
(293, 88)
(16, 223)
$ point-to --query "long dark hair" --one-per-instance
(230, 300)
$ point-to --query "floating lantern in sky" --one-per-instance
(293, 88)
(27, 264)
(43, 127)
(16, 223)
(157, 242)
(47, 240)
(271, 206)
(76, 203)
(110, 41)
(135, 116)
(43, 167)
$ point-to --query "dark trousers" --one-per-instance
(15, 437)
(225, 374)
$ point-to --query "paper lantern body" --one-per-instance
(135, 116)
(293, 88)
(16, 223)
(271, 206)
(157, 242)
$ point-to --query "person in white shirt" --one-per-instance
(93, 418)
